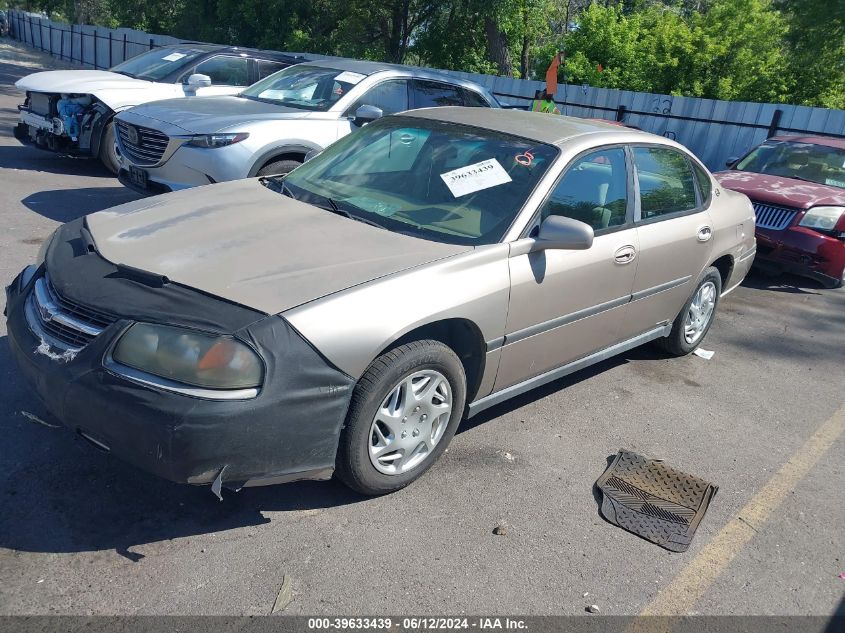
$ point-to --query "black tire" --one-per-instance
(279, 168)
(353, 466)
(676, 343)
(108, 151)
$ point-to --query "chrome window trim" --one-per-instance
(150, 380)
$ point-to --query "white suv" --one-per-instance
(70, 111)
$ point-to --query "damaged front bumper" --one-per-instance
(288, 431)
(803, 251)
(76, 134)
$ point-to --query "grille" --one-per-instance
(150, 146)
(64, 323)
(775, 218)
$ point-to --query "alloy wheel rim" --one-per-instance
(700, 312)
(410, 422)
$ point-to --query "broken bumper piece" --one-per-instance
(288, 431)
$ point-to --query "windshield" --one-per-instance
(305, 87)
(806, 161)
(439, 181)
(158, 63)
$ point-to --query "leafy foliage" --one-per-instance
(754, 50)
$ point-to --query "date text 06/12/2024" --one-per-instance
(428, 623)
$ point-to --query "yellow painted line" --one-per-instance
(679, 597)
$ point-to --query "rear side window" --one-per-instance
(267, 67)
(225, 71)
(432, 94)
(665, 180)
(474, 100)
(594, 190)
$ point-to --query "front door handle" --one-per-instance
(625, 254)
(705, 233)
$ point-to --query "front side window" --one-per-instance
(432, 94)
(225, 71)
(594, 190)
(803, 161)
(158, 63)
(304, 87)
(439, 181)
(391, 96)
(665, 181)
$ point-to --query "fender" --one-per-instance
(302, 147)
(101, 117)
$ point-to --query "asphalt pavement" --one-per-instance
(81, 533)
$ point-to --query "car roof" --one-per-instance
(553, 129)
(371, 68)
(220, 48)
(829, 141)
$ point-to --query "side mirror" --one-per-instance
(559, 232)
(730, 162)
(312, 154)
(367, 114)
(199, 81)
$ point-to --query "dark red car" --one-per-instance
(797, 186)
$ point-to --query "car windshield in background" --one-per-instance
(439, 181)
(806, 161)
(305, 87)
(158, 63)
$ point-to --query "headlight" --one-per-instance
(217, 140)
(42, 252)
(822, 218)
(193, 358)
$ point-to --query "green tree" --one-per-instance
(816, 44)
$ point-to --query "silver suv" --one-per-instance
(270, 127)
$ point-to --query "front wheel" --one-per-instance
(279, 168)
(693, 322)
(108, 149)
(403, 414)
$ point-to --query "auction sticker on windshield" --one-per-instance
(465, 180)
(173, 57)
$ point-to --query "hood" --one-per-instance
(781, 191)
(245, 243)
(79, 82)
(210, 114)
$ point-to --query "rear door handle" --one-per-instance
(705, 233)
(625, 254)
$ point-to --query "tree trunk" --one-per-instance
(497, 48)
(524, 57)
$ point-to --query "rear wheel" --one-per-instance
(694, 321)
(403, 414)
(279, 168)
(108, 149)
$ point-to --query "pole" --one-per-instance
(95, 48)
(110, 47)
(124, 48)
